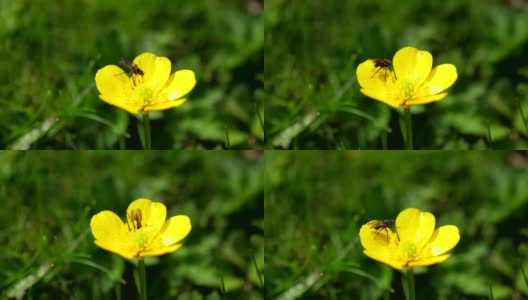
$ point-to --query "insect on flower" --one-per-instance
(379, 225)
(131, 67)
(420, 244)
(382, 64)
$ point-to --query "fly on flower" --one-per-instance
(416, 241)
(152, 87)
(382, 64)
(131, 67)
(379, 225)
(417, 82)
(147, 231)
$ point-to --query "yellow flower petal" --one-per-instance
(165, 105)
(179, 84)
(115, 88)
(374, 239)
(111, 81)
(379, 244)
(412, 65)
(414, 227)
(443, 240)
(153, 216)
(428, 261)
(415, 243)
(440, 78)
(154, 88)
(146, 233)
(111, 234)
(412, 82)
(173, 231)
(382, 95)
(125, 103)
(385, 258)
(427, 99)
(377, 84)
(156, 70)
(371, 77)
(160, 251)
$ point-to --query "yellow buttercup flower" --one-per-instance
(415, 242)
(410, 80)
(146, 232)
(150, 86)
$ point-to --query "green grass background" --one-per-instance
(49, 197)
(312, 49)
(316, 201)
(51, 51)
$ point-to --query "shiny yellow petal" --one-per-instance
(115, 88)
(414, 228)
(377, 83)
(111, 234)
(443, 240)
(429, 261)
(165, 105)
(425, 100)
(374, 239)
(153, 216)
(385, 96)
(173, 231)
(440, 79)
(385, 257)
(179, 84)
(412, 66)
(379, 244)
(111, 81)
(156, 70)
(371, 77)
(126, 102)
(415, 244)
(160, 250)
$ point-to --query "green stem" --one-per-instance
(142, 280)
(408, 129)
(146, 131)
(410, 281)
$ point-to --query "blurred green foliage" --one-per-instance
(316, 201)
(52, 50)
(49, 197)
(312, 49)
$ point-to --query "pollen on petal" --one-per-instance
(168, 241)
(173, 95)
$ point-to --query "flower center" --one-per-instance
(409, 250)
(146, 95)
(408, 88)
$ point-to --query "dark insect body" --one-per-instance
(131, 67)
(382, 224)
(382, 64)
